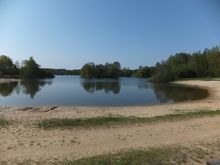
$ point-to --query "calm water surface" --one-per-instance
(75, 91)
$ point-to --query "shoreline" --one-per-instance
(24, 141)
(8, 80)
(212, 102)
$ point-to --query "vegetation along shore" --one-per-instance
(199, 64)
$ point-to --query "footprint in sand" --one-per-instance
(20, 143)
(31, 143)
(123, 138)
(75, 141)
(10, 147)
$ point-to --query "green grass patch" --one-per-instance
(152, 156)
(169, 155)
(118, 120)
(4, 123)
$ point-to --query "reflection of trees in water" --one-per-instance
(143, 84)
(7, 88)
(166, 93)
(30, 87)
(140, 83)
(107, 85)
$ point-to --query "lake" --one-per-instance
(75, 91)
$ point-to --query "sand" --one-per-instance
(4, 80)
(23, 141)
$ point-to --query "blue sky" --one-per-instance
(70, 33)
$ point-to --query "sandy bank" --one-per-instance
(4, 80)
(22, 141)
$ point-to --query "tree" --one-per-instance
(179, 64)
(199, 65)
(184, 65)
(213, 59)
(88, 71)
(30, 69)
(126, 72)
(164, 73)
(7, 67)
(117, 65)
(143, 72)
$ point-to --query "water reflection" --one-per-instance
(73, 91)
(7, 88)
(31, 87)
(164, 93)
(28, 87)
(108, 85)
(175, 93)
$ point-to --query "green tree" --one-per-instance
(143, 72)
(112, 71)
(179, 64)
(199, 65)
(88, 71)
(7, 67)
(126, 72)
(213, 59)
(30, 69)
(117, 65)
(164, 73)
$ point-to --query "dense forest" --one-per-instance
(186, 65)
(28, 69)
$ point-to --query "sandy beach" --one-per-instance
(22, 141)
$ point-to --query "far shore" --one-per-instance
(24, 141)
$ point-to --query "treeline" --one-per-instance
(63, 71)
(113, 70)
(186, 65)
(90, 70)
(181, 65)
(28, 69)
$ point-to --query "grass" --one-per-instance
(202, 79)
(168, 155)
(119, 120)
(4, 123)
(153, 156)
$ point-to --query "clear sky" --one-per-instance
(70, 33)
